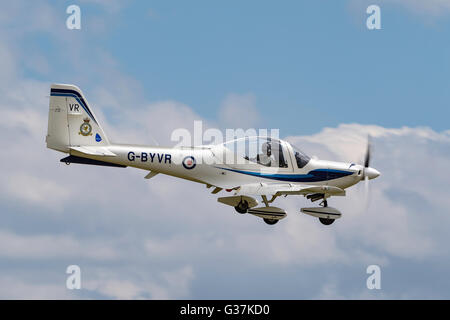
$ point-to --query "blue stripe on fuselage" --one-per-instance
(312, 176)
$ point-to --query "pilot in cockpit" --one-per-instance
(266, 158)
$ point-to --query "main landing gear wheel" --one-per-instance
(325, 221)
(242, 207)
(270, 221)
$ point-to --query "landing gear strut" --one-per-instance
(325, 221)
(242, 207)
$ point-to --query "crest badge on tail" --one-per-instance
(85, 128)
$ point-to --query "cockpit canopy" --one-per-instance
(265, 151)
(301, 158)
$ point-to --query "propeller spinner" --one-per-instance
(368, 172)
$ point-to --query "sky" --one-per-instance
(310, 69)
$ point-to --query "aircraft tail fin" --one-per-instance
(71, 121)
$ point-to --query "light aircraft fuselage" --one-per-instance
(246, 167)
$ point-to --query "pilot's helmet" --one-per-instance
(266, 148)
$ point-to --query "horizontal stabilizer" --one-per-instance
(93, 151)
(80, 160)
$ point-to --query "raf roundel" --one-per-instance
(189, 162)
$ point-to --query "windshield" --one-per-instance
(264, 151)
(301, 158)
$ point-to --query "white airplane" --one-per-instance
(248, 168)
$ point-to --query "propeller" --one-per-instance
(367, 156)
(366, 166)
(368, 172)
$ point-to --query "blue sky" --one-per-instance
(315, 61)
(308, 68)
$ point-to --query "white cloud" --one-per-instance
(16, 287)
(45, 246)
(348, 142)
(37, 190)
(120, 289)
(154, 121)
(173, 284)
(403, 156)
(391, 228)
(239, 111)
(159, 238)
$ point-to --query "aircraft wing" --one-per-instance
(286, 189)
